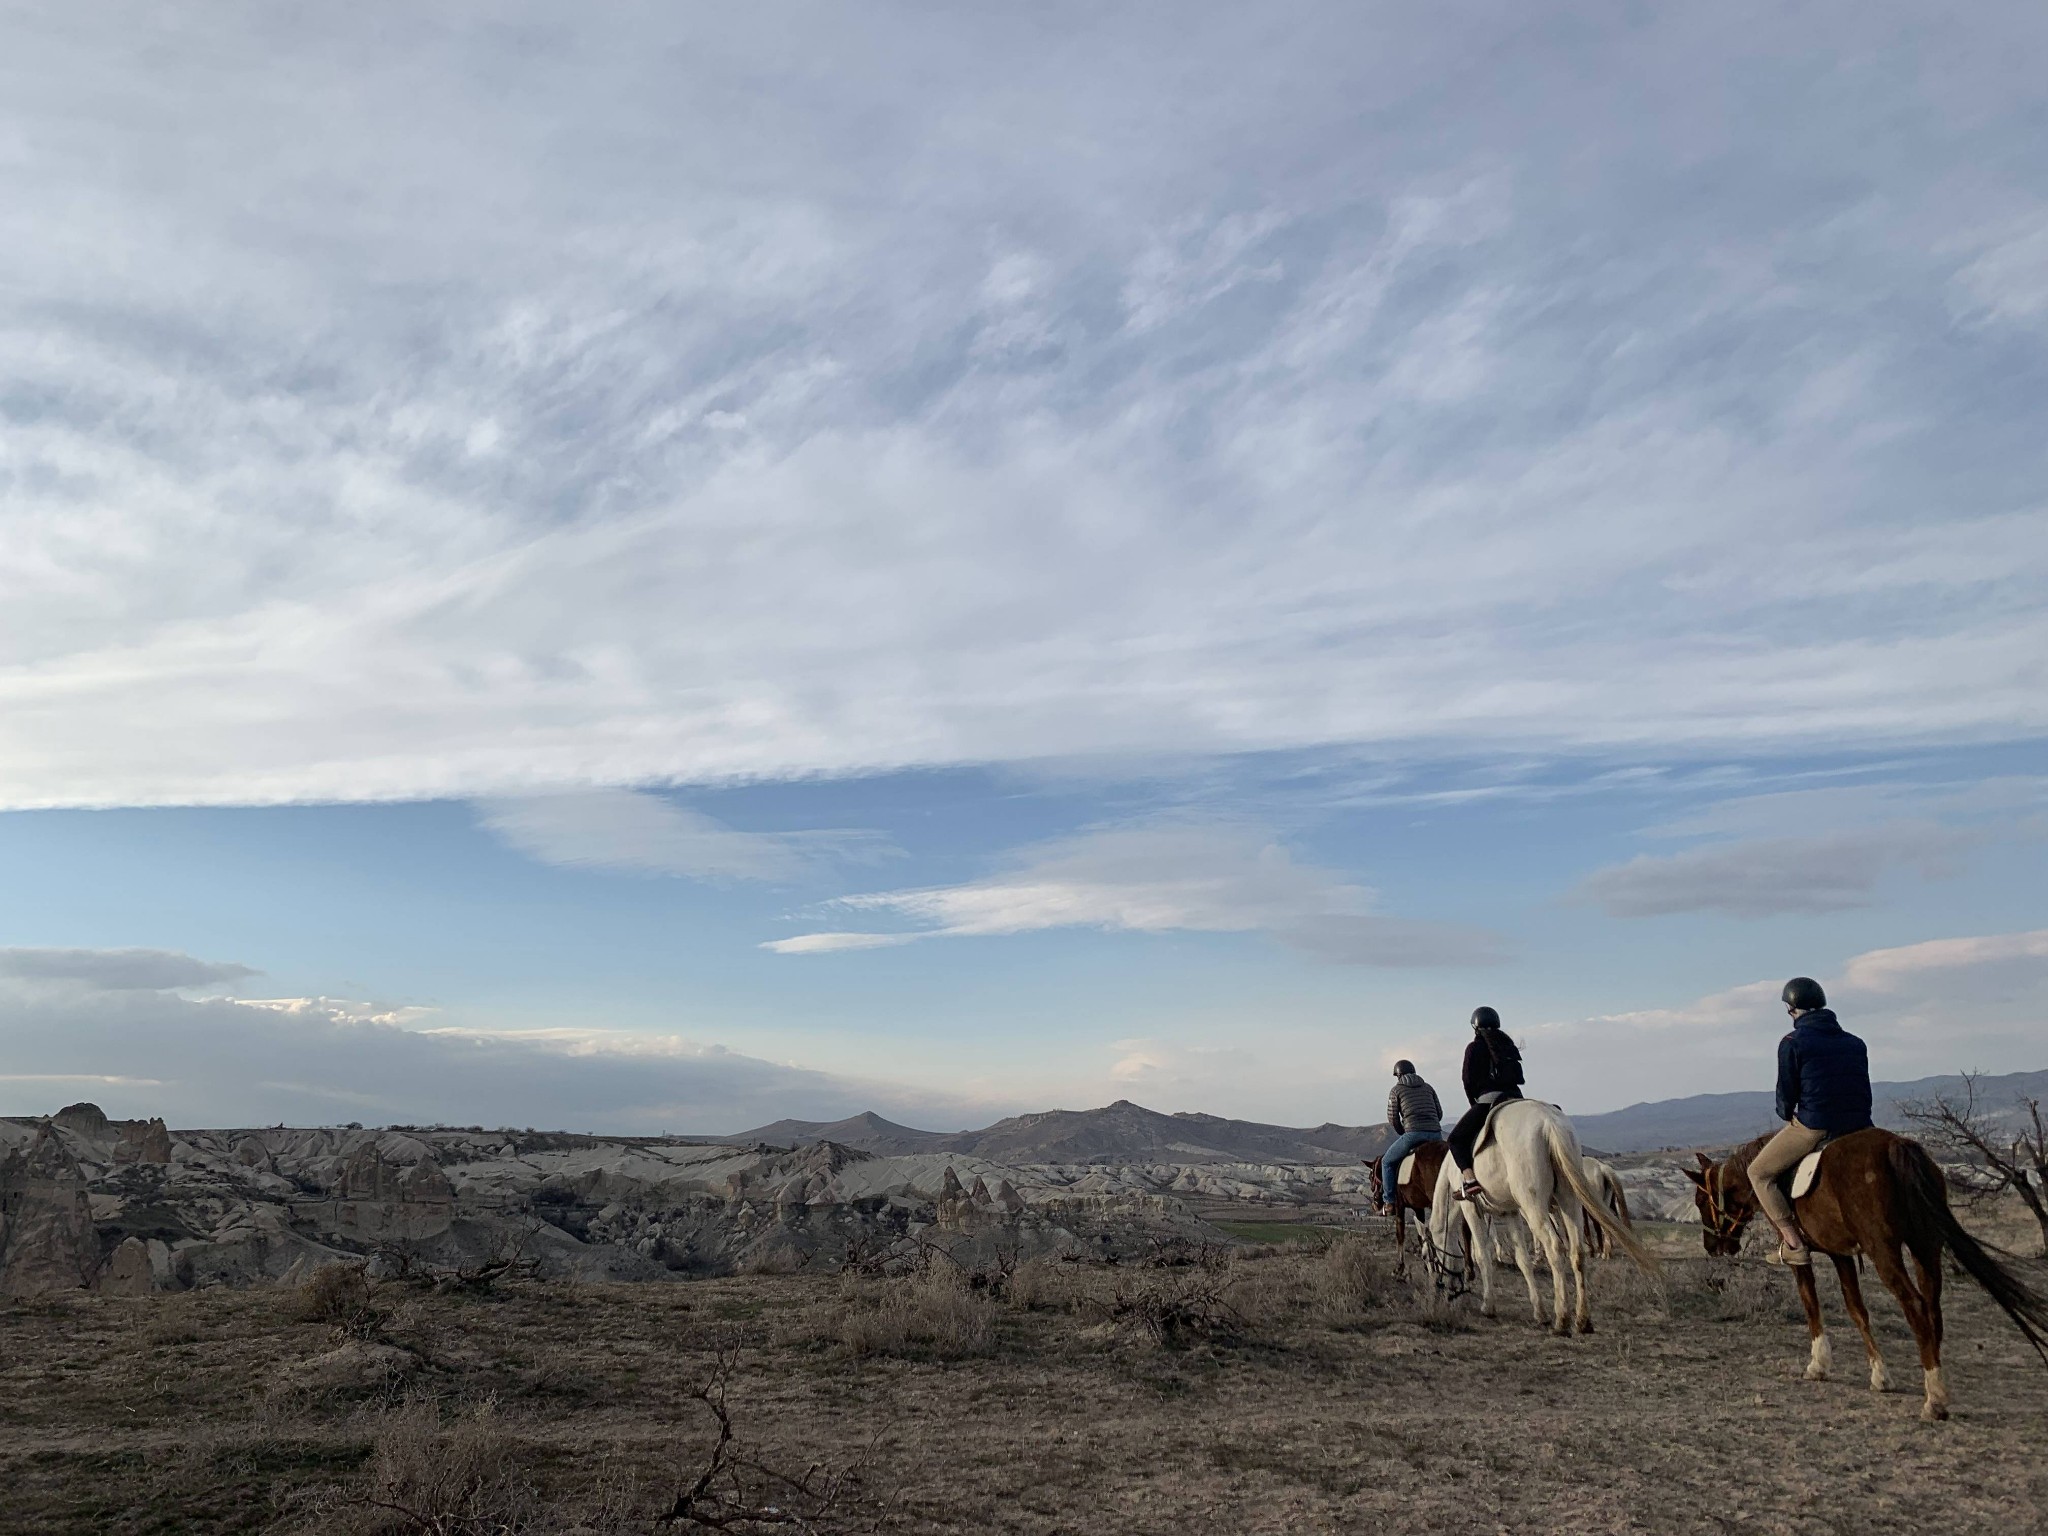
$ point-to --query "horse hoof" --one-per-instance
(1933, 1413)
(1816, 1372)
(1585, 1325)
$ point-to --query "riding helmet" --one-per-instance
(1486, 1018)
(1804, 993)
(1403, 1068)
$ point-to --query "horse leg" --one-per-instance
(1582, 1316)
(1473, 1237)
(1821, 1355)
(1518, 1238)
(1852, 1298)
(1553, 1255)
(1891, 1269)
(1929, 1268)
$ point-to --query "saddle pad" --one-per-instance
(1807, 1171)
(1407, 1167)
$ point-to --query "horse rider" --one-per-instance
(1823, 1092)
(1492, 1074)
(1415, 1116)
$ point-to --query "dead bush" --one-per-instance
(338, 1293)
(1354, 1277)
(929, 1315)
(427, 1478)
(1189, 1308)
(1039, 1285)
(736, 1490)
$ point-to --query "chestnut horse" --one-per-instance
(1882, 1196)
(1415, 1194)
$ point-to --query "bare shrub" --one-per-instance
(338, 1293)
(430, 1479)
(930, 1315)
(736, 1491)
(1353, 1277)
(1188, 1308)
(1037, 1285)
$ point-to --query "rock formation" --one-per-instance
(47, 1238)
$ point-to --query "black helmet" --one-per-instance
(1403, 1068)
(1803, 993)
(1485, 1018)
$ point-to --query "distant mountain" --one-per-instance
(868, 1132)
(1122, 1132)
(1721, 1119)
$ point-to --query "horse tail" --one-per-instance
(1926, 1201)
(1566, 1159)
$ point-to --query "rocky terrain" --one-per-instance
(133, 1207)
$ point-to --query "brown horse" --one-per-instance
(1881, 1196)
(1414, 1195)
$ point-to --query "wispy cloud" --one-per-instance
(645, 833)
(493, 457)
(119, 970)
(1164, 878)
(1761, 877)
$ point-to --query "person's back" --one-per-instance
(1412, 1105)
(1492, 1072)
(1415, 1115)
(1823, 1091)
(1823, 1075)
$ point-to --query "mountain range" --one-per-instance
(1124, 1132)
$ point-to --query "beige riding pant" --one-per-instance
(1780, 1154)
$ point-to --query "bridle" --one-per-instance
(1722, 1223)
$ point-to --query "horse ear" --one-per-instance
(1706, 1162)
(1696, 1176)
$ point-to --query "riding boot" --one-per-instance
(1792, 1249)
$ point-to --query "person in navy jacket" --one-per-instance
(1823, 1091)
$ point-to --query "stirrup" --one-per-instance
(1471, 1190)
(1789, 1257)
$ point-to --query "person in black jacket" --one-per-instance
(1823, 1091)
(1492, 1072)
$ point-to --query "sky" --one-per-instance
(655, 568)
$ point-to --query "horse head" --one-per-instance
(1726, 1203)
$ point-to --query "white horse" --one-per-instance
(1607, 1185)
(1530, 1166)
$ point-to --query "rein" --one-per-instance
(1724, 1225)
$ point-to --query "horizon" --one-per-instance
(632, 569)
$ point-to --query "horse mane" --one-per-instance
(1736, 1164)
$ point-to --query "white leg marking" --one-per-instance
(1880, 1378)
(1822, 1358)
(1936, 1406)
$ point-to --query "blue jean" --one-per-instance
(1398, 1148)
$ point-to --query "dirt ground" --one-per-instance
(1300, 1388)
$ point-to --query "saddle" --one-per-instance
(1485, 1136)
(1401, 1174)
(1800, 1180)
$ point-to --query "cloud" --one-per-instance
(1002, 391)
(1761, 877)
(118, 970)
(1163, 878)
(1945, 1005)
(226, 1062)
(644, 833)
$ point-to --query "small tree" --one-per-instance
(1996, 1155)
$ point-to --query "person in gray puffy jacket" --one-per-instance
(1415, 1116)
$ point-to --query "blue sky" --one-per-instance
(659, 569)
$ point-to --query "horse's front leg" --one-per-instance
(1820, 1357)
(1852, 1298)
(1474, 1236)
(1583, 1315)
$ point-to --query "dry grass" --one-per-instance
(540, 1408)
